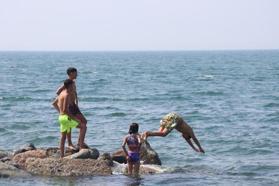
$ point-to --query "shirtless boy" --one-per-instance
(66, 119)
(73, 108)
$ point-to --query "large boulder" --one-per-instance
(147, 155)
(67, 167)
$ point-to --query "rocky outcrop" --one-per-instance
(147, 155)
(87, 162)
(67, 167)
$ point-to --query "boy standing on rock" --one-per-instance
(66, 119)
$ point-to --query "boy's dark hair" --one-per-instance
(70, 70)
(134, 128)
(68, 83)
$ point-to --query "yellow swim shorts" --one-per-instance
(66, 124)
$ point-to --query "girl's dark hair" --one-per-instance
(70, 70)
(67, 83)
(134, 128)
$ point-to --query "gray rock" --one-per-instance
(25, 148)
(85, 154)
(7, 170)
(4, 154)
(107, 157)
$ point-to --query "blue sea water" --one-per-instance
(230, 98)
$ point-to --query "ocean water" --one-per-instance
(230, 98)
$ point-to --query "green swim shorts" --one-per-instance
(170, 121)
(66, 124)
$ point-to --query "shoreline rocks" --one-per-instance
(30, 160)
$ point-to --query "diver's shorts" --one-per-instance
(66, 124)
(170, 121)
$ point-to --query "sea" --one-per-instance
(229, 98)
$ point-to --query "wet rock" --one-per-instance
(85, 154)
(7, 170)
(25, 148)
(67, 167)
(106, 157)
(147, 155)
(4, 154)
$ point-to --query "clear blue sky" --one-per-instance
(139, 24)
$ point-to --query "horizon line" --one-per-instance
(125, 50)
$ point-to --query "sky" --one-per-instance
(109, 25)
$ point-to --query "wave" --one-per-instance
(119, 168)
(210, 93)
(271, 105)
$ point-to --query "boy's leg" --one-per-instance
(197, 142)
(83, 120)
(62, 144)
(82, 133)
(69, 139)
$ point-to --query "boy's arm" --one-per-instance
(55, 104)
(60, 89)
(124, 146)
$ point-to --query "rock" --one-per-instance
(25, 148)
(147, 155)
(7, 170)
(85, 154)
(55, 152)
(67, 167)
(3, 154)
(106, 157)
(21, 158)
(119, 156)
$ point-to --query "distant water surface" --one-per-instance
(230, 98)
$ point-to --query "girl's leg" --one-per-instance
(136, 168)
(130, 168)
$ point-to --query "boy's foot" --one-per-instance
(83, 146)
(73, 148)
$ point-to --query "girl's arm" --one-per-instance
(124, 146)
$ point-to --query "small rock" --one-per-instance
(85, 154)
